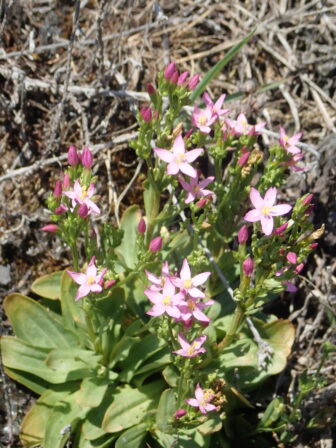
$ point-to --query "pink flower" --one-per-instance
(187, 284)
(190, 350)
(203, 119)
(196, 189)
(217, 106)
(81, 195)
(293, 162)
(202, 400)
(165, 302)
(178, 159)
(265, 209)
(193, 308)
(242, 127)
(159, 282)
(288, 143)
(90, 281)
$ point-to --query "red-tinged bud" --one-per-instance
(243, 235)
(146, 114)
(73, 157)
(83, 211)
(174, 78)
(243, 159)
(309, 210)
(66, 181)
(58, 189)
(248, 266)
(169, 70)
(279, 230)
(61, 209)
(313, 245)
(202, 202)
(52, 228)
(299, 268)
(306, 200)
(182, 78)
(87, 158)
(282, 251)
(109, 283)
(193, 81)
(142, 226)
(291, 257)
(150, 89)
(188, 133)
(156, 244)
(179, 413)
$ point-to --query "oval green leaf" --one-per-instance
(48, 286)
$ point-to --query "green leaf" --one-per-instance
(272, 413)
(130, 406)
(48, 286)
(73, 363)
(32, 382)
(212, 73)
(72, 311)
(133, 437)
(166, 409)
(36, 325)
(211, 425)
(171, 375)
(128, 247)
(92, 391)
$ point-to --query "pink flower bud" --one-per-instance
(142, 226)
(73, 158)
(282, 251)
(243, 235)
(279, 230)
(193, 81)
(313, 245)
(58, 189)
(150, 89)
(66, 181)
(179, 413)
(52, 228)
(109, 283)
(182, 78)
(248, 266)
(83, 211)
(243, 159)
(169, 70)
(174, 78)
(306, 200)
(87, 158)
(188, 133)
(146, 114)
(299, 268)
(292, 257)
(202, 202)
(61, 209)
(156, 244)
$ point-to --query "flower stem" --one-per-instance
(237, 320)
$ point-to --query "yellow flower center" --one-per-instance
(197, 189)
(266, 210)
(203, 120)
(83, 194)
(91, 280)
(166, 301)
(187, 283)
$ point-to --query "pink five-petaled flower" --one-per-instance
(202, 400)
(242, 127)
(265, 209)
(194, 309)
(89, 281)
(166, 301)
(178, 159)
(288, 143)
(190, 350)
(203, 119)
(81, 195)
(196, 189)
(187, 284)
(158, 282)
(216, 107)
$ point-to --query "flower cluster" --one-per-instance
(90, 281)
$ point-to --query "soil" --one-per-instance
(74, 73)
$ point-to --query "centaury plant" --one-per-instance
(156, 333)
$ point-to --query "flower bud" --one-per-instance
(109, 283)
(142, 226)
(58, 189)
(313, 245)
(156, 244)
(66, 181)
(61, 209)
(299, 268)
(179, 413)
(243, 159)
(188, 134)
(243, 235)
(52, 228)
(182, 78)
(174, 78)
(279, 230)
(87, 158)
(73, 158)
(83, 211)
(193, 81)
(146, 114)
(248, 266)
(169, 70)
(202, 202)
(150, 89)
(306, 200)
(291, 257)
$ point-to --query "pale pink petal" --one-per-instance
(252, 215)
(205, 129)
(91, 190)
(152, 278)
(200, 316)
(266, 224)
(168, 289)
(191, 196)
(270, 196)
(164, 154)
(200, 278)
(78, 277)
(192, 402)
(91, 270)
(207, 99)
(96, 288)
(183, 342)
(173, 168)
(196, 293)
(153, 296)
(188, 170)
(83, 291)
(178, 145)
(185, 272)
(280, 209)
(193, 154)
(255, 198)
(156, 310)
(92, 206)
(218, 104)
(199, 394)
(205, 182)
(172, 311)
(184, 184)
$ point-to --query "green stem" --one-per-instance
(237, 320)
(74, 253)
